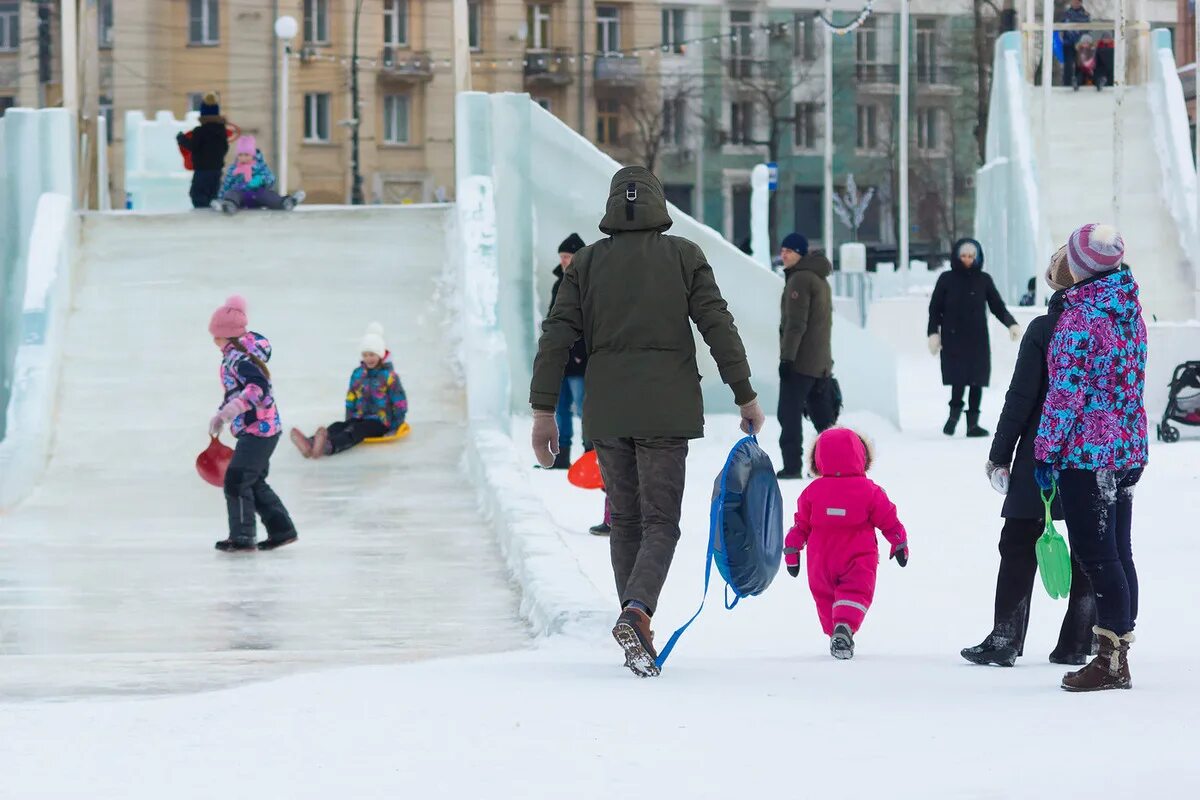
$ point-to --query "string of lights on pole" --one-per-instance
(419, 63)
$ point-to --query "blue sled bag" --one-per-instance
(745, 538)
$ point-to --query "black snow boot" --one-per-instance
(275, 542)
(841, 644)
(952, 421)
(563, 459)
(973, 429)
(603, 529)
(235, 545)
(992, 650)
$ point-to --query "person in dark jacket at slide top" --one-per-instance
(208, 144)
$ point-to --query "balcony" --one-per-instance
(924, 76)
(618, 71)
(401, 64)
(548, 67)
(747, 68)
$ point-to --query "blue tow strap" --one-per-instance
(764, 547)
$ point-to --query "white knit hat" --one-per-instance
(373, 341)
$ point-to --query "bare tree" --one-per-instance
(660, 117)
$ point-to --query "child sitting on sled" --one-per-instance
(375, 404)
(249, 183)
(836, 520)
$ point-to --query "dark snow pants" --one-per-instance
(247, 492)
(799, 394)
(255, 198)
(206, 187)
(974, 399)
(1098, 507)
(1014, 591)
(344, 435)
(644, 482)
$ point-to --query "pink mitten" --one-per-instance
(234, 408)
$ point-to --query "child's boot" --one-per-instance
(841, 643)
(235, 545)
(294, 199)
(1108, 670)
(303, 443)
(563, 459)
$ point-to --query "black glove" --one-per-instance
(785, 369)
(900, 553)
(793, 571)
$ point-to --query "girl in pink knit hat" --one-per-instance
(249, 410)
(249, 183)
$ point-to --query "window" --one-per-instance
(544, 102)
(316, 117)
(10, 26)
(680, 196)
(673, 36)
(806, 38)
(806, 126)
(395, 23)
(396, 108)
(741, 122)
(475, 25)
(106, 111)
(927, 60)
(674, 121)
(608, 29)
(868, 120)
(204, 22)
(739, 200)
(539, 27)
(194, 100)
(810, 212)
(929, 134)
(866, 42)
(608, 122)
(104, 15)
(316, 21)
(741, 25)
(6, 102)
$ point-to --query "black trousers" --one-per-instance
(1014, 592)
(206, 187)
(344, 435)
(799, 394)
(255, 198)
(975, 398)
(643, 480)
(1098, 507)
(247, 492)
(1069, 65)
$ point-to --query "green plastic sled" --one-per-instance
(1053, 557)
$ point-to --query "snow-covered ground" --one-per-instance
(750, 702)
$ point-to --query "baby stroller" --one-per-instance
(1183, 401)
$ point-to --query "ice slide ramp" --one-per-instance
(108, 579)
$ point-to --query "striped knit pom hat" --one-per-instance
(1094, 250)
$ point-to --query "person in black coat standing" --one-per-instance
(570, 396)
(209, 144)
(1024, 511)
(958, 330)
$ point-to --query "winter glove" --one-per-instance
(793, 569)
(1014, 332)
(900, 553)
(545, 437)
(753, 418)
(786, 368)
(1044, 475)
(935, 343)
(231, 410)
(998, 475)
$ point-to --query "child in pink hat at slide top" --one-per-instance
(249, 410)
(249, 183)
(836, 520)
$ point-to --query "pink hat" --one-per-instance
(229, 321)
(247, 145)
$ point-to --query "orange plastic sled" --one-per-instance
(401, 432)
(585, 473)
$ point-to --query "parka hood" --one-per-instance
(840, 453)
(1115, 294)
(957, 265)
(636, 202)
(813, 262)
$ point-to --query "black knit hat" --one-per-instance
(572, 244)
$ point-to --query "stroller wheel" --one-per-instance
(1168, 433)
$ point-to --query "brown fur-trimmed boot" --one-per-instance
(1108, 670)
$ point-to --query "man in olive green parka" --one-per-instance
(632, 297)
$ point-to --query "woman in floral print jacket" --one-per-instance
(1092, 438)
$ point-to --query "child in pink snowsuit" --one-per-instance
(836, 519)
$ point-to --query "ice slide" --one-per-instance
(108, 580)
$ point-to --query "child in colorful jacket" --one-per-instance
(249, 183)
(836, 519)
(249, 410)
(1092, 438)
(375, 403)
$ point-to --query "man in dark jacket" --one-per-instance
(958, 330)
(208, 143)
(1024, 511)
(570, 394)
(805, 350)
(631, 296)
(1070, 71)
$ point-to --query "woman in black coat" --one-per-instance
(958, 330)
(1023, 511)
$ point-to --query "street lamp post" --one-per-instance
(903, 243)
(285, 30)
(356, 190)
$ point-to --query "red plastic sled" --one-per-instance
(585, 473)
(212, 463)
